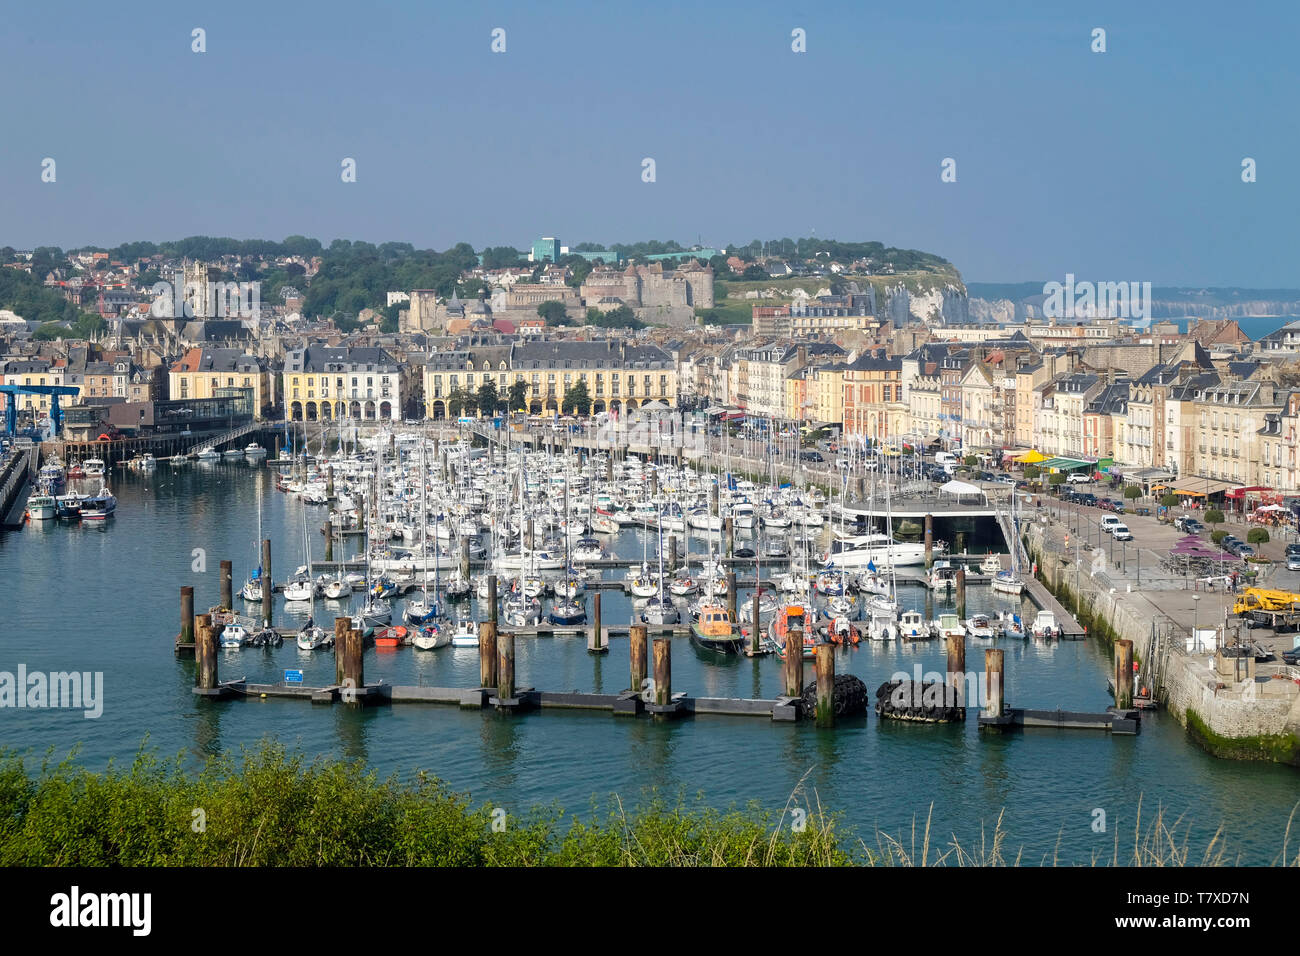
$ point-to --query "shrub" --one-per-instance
(1217, 536)
(1169, 501)
(1257, 536)
(1214, 516)
(1031, 472)
(1133, 491)
(1056, 479)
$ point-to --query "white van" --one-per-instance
(1108, 522)
(945, 458)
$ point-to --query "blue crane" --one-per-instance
(11, 393)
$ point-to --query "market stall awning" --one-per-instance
(959, 488)
(1242, 492)
(1189, 494)
(1068, 464)
(1206, 486)
(1031, 458)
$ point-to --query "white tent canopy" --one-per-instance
(959, 488)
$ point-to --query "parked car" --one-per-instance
(1004, 479)
(1120, 532)
(1293, 561)
(1292, 656)
(811, 456)
(1087, 499)
(1108, 522)
(1245, 551)
(1193, 526)
(1293, 548)
(1079, 478)
(1110, 504)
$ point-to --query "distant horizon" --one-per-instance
(1007, 141)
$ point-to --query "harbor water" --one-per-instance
(103, 597)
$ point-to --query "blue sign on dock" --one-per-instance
(293, 677)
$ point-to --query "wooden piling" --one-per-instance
(1124, 674)
(755, 629)
(961, 593)
(492, 599)
(353, 668)
(595, 623)
(993, 683)
(663, 652)
(730, 524)
(268, 595)
(793, 668)
(205, 653)
(506, 665)
(187, 615)
(825, 663)
(672, 552)
(731, 594)
(464, 557)
(227, 586)
(487, 654)
(341, 627)
(929, 541)
(956, 667)
(637, 635)
(329, 540)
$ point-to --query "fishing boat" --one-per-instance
(99, 506)
(93, 467)
(41, 506)
(68, 506)
(716, 631)
(76, 470)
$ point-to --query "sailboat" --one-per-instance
(1010, 582)
(252, 590)
(660, 609)
(424, 609)
(376, 612)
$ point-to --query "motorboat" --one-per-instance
(1045, 625)
(392, 636)
(312, 637)
(980, 628)
(912, 626)
(254, 450)
(991, 564)
(949, 625)
(880, 550)
(209, 454)
(465, 634)
(790, 617)
(1012, 625)
(93, 467)
(716, 631)
(943, 576)
(233, 634)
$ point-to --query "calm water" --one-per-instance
(105, 599)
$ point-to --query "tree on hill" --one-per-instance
(552, 311)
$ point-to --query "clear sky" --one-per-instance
(1116, 166)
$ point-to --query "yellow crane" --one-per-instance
(1268, 600)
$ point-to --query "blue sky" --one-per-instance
(1123, 165)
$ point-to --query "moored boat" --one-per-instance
(716, 631)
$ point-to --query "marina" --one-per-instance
(165, 514)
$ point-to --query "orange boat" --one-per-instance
(793, 616)
(390, 636)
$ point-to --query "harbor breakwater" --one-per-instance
(1245, 719)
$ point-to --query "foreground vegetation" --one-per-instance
(274, 808)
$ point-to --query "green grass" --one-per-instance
(274, 808)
